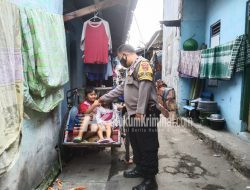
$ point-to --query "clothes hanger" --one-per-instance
(96, 17)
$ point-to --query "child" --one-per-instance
(88, 109)
(104, 118)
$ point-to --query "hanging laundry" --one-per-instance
(222, 61)
(240, 54)
(95, 68)
(96, 42)
(215, 62)
(95, 76)
(109, 71)
(189, 64)
(11, 85)
(45, 59)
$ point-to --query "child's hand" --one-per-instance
(96, 103)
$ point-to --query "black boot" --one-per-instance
(134, 173)
(147, 184)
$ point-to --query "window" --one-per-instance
(215, 34)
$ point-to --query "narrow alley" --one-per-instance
(186, 162)
(124, 94)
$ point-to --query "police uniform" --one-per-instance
(140, 97)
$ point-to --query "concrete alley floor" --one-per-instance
(185, 163)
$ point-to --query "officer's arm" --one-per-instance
(115, 93)
(145, 77)
(144, 94)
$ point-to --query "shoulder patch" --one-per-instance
(145, 71)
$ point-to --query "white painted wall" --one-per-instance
(171, 41)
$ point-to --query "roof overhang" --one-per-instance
(171, 23)
(155, 41)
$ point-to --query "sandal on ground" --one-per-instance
(77, 139)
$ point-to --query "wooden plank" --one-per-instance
(91, 9)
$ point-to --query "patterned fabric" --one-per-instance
(222, 61)
(189, 63)
(240, 54)
(55, 6)
(45, 59)
(104, 115)
(11, 85)
(215, 62)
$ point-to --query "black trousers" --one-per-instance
(144, 141)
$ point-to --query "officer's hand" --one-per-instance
(100, 101)
(139, 116)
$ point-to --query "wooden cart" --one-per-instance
(74, 97)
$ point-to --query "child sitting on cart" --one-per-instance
(104, 118)
(88, 109)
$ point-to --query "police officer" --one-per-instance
(140, 100)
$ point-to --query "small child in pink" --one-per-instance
(104, 117)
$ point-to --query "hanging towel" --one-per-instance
(189, 63)
(215, 62)
(45, 59)
(240, 54)
(44, 46)
(96, 42)
(223, 61)
(11, 85)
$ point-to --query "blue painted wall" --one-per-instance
(232, 15)
(228, 93)
(228, 96)
(198, 16)
(193, 23)
(184, 88)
